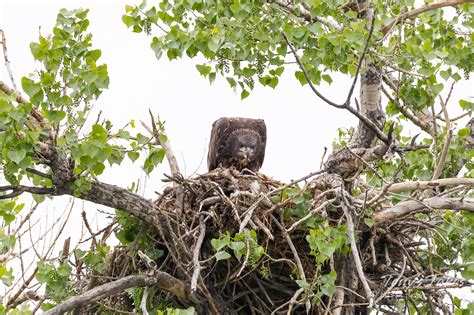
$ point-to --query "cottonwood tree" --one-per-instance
(386, 224)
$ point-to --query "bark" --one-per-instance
(410, 206)
(162, 280)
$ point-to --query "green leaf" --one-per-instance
(204, 70)
(218, 244)
(244, 94)
(222, 255)
(16, 155)
(55, 116)
(237, 246)
(369, 221)
(5, 106)
(303, 284)
(133, 156)
(466, 105)
(33, 90)
(327, 78)
(464, 132)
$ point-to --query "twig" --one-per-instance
(322, 158)
(346, 105)
(355, 253)
(86, 223)
(394, 283)
(293, 300)
(447, 140)
(165, 144)
(247, 253)
(196, 252)
(294, 251)
(7, 62)
(144, 300)
(359, 63)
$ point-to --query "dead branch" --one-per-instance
(431, 184)
(7, 61)
(355, 253)
(409, 206)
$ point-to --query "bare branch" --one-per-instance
(364, 119)
(409, 206)
(7, 61)
(355, 253)
(431, 184)
(447, 140)
(18, 190)
(196, 252)
(163, 280)
(165, 144)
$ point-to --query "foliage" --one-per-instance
(421, 58)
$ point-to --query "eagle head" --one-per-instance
(244, 143)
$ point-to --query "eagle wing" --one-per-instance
(216, 141)
(261, 128)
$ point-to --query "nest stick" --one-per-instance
(355, 253)
(196, 251)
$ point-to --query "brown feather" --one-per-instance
(237, 142)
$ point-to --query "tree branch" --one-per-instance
(18, 190)
(346, 105)
(414, 13)
(7, 61)
(163, 280)
(409, 206)
(303, 13)
(431, 184)
(355, 253)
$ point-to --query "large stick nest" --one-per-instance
(194, 211)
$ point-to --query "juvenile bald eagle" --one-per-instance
(237, 142)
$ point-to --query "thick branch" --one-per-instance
(118, 198)
(163, 280)
(8, 90)
(414, 13)
(430, 184)
(409, 206)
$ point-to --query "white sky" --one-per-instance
(299, 125)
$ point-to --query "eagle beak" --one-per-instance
(248, 152)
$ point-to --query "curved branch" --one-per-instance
(407, 207)
(414, 13)
(162, 280)
(346, 105)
